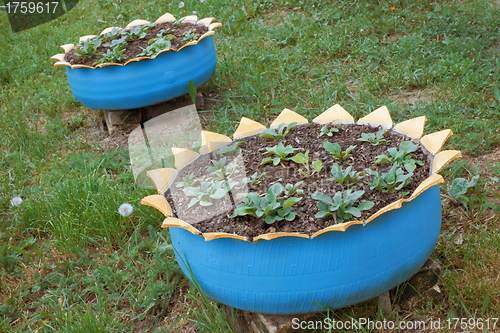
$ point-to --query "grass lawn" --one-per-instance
(70, 263)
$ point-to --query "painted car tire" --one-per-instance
(337, 266)
(146, 82)
(288, 275)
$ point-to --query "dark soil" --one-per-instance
(306, 137)
(136, 46)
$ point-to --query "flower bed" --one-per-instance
(143, 64)
(282, 271)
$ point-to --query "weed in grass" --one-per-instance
(470, 196)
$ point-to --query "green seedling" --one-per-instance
(230, 149)
(88, 48)
(138, 32)
(280, 154)
(392, 181)
(293, 189)
(342, 206)
(304, 160)
(282, 131)
(270, 208)
(154, 48)
(120, 43)
(221, 171)
(346, 177)
(113, 55)
(208, 190)
(186, 181)
(113, 34)
(160, 37)
(189, 35)
(376, 139)
(401, 157)
(326, 131)
(254, 179)
(336, 151)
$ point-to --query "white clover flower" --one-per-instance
(125, 209)
(16, 201)
(181, 4)
(194, 12)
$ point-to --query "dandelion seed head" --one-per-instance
(125, 209)
(16, 201)
(194, 12)
(202, 1)
(181, 4)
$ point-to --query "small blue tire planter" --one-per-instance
(146, 82)
(143, 81)
(292, 275)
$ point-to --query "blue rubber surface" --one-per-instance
(286, 275)
(145, 82)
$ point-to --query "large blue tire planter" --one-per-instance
(145, 82)
(288, 275)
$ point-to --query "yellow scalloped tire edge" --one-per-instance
(159, 202)
(216, 235)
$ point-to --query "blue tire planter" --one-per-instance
(288, 275)
(294, 273)
(145, 82)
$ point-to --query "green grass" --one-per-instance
(69, 262)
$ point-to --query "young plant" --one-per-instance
(186, 181)
(293, 189)
(208, 190)
(113, 34)
(282, 131)
(280, 154)
(113, 55)
(230, 149)
(221, 171)
(346, 177)
(304, 160)
(160, 37)
(270, 208)
(189, 35)
(342, 206)
(138, 32)
(326, 131)
(336, 151)
(376, 139)
(254, 179)
(154, 48)
(401, 157)
(392, 181)
(88, 48)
